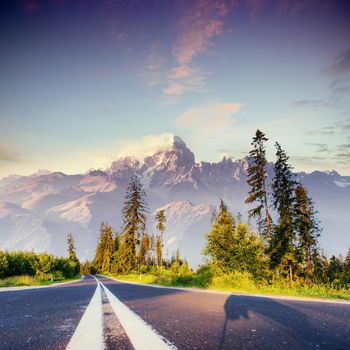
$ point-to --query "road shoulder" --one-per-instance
(278, 297)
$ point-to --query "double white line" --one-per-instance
(89, 333)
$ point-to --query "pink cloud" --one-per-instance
(31, 6)
(294, 7)
(198, 27)
(174, 89)
(153, 70)
(255, 6)
(210, 118)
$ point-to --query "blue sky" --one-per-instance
(84, 82)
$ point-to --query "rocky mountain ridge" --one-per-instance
(37, 211)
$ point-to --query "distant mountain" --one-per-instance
(37, 211)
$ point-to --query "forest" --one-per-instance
(19, 268)
(276, 251)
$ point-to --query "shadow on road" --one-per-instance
(238, 307)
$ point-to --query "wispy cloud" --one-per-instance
(138, 148)
(146, 145)
(9, 155)
(320, 147)
(186, 79)
(197, 28)
(31, 6)
(340, 127)
(153, 71)
(340, 65)
(254, 6)
(210, 119)
(312, 103)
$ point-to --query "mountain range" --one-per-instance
(38, 211)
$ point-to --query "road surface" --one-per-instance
(105, 314)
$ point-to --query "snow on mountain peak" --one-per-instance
(179, 155)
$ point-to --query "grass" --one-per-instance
(237, 282)
(19, 281)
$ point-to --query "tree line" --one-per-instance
(285, 246)
(133, 249)
(44, 266)
(279, 241)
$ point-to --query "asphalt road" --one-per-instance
(47, 318)
(43, 318)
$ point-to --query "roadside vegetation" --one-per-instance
(22, 268)
(276, 252)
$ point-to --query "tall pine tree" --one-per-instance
(97, 263)
(257, 182)
(160, 225)
(72, 255)
(108, 249)
(282, 248)
(134, 223)
(307, 228)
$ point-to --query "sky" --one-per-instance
(85, 82)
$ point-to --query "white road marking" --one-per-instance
(269, 296)
(142, 336)
(89, 333)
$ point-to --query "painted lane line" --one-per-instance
(253, 295)
(142, 336)
(89, 333)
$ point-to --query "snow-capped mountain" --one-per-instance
(37, 211)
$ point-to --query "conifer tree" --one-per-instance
(159, 254)
(134, 220)
(283, 184)
(219, 239)
(222, 206)
(97, 262)
(346, 271)
(257, 182)
(145, 248)
(335, 269)
(115, 268)
(72, 256)
(160, 225)
(108, 249)
(307, 228)
(152, 257)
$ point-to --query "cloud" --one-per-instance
(343, 157)
(30, 6)
(312, 103)
(210, 119)
(137, 148)
(340, 127)
(345, 146)
(197, 28)
(345, 126)
(320, 147)
(174, 89)
(254, 6)
(341, 64)
(153, 70)
(146, 145)
(9, 155)
(185, 79)
(293, 7)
